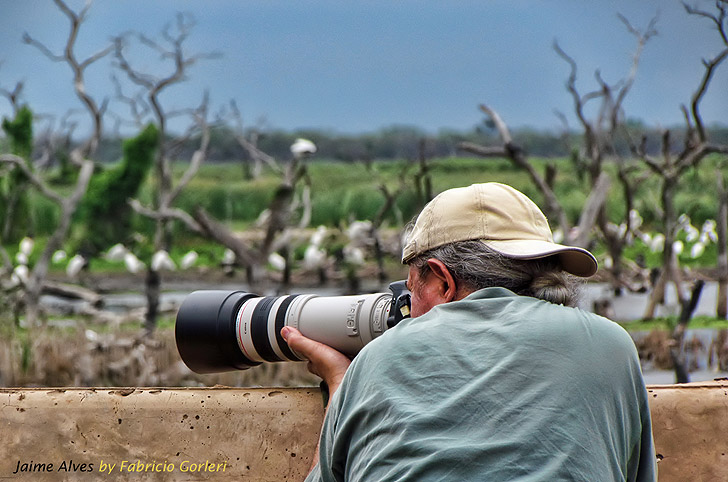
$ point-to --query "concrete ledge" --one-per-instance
(263, 435)
(158, 434)
(690, 426)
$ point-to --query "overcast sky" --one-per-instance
(360, 66)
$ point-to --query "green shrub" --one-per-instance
(105, 214)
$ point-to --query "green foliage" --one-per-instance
(20, 133)
(105, 214)
(15, 221)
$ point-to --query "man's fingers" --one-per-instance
(324, 361)
(305, 346)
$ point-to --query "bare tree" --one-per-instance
(722, 228)
(554, 210)
(600, 138)
(171, 51)
(13, 96)
(277, 220)
(670, 166)
(67, 204)
(249, 142)
(78, 67)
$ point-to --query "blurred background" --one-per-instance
(151, 149)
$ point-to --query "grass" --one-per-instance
(343, 192)
(668, 324)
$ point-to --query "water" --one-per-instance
(628, 307)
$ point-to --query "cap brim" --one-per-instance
(577, 261)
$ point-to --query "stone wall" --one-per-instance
(263, 435)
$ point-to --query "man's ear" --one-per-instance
(448, 288)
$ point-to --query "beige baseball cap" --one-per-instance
(503, 218)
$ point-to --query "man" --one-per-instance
(494, 377)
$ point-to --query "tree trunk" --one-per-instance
(153, 284)
(722, 228)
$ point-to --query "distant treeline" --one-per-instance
(405, 142)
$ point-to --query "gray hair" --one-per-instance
(475, 266)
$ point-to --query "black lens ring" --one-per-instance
(259, 329)
(227, 331)
(280, 323)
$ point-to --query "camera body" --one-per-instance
(220, 331)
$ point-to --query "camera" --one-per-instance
(219, 331)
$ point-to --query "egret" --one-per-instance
(635, 220)
(314, 257)
(692, 233)
(21, 258)
(26, 246)
(277, 261)
(132, 263)
(228, 257)
(91, 335)
(708, 230)
(677, 247)
(558, 235)
(608, 262)
(303, 148)
(20, 275)
(116, 252)
(658, 243)
(697, 250)
(188, 260)
(59, 256)
(359, 232)
(353, 255)
(317, 238)
(161, 261)
(75, 265)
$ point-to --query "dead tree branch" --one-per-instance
(78, 67)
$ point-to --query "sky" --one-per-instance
(353, 67)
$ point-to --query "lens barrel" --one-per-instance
(205, 331)
(220, 331)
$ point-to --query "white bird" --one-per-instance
(697, 250)
(317, 238)
(658, 243)
(20, 275)
(75, 265)
(91, 335)
(677, 247)
(608, 262)
(26, 246)
(59, 256)
(132, 263)
(635, 220)
(277, 261)
(228, 257)
(116, 252)
(358, 232)
(708, 230)
(622, 230)
(161, 261)
(692, 233)
(21, 258)
(646, 238)
(353, 255)
(558, 236)
(314, 257)
(303, 148)
(188, 260)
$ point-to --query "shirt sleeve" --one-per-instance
(325, 470)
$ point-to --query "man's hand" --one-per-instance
(323, 360)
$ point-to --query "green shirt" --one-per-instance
(493, 387)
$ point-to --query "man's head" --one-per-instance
(489, 235)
